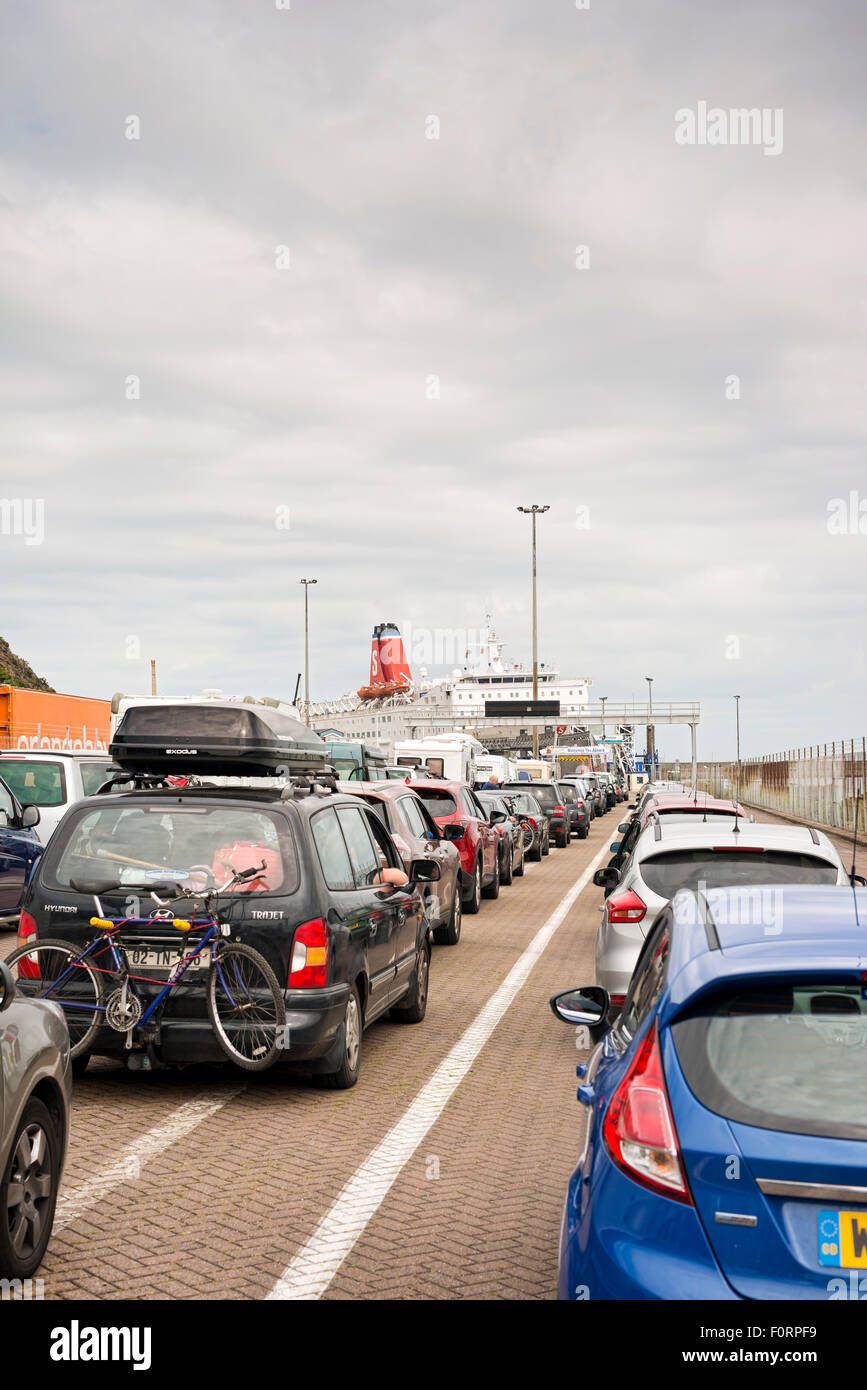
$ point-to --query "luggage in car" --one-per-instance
(216, 737)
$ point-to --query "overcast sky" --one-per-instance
(688, 536)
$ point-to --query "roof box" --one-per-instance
(216, 737)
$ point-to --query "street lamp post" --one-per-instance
(307, 583)
(737, 700)
(535, 511)
(602, 700)
(651, 732)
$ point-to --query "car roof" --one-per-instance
(75, 755)
(738, 935)
(256, 795)
(695, 833)
(381, 790)
(682, 801)
(437, 784)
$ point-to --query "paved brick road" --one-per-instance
(206, 1183)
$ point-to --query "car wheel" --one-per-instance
(584, 832)
(506, 873)
(493, 888)
(519, 871)
(450, 934)
(415, 1010)
(474, 901)
(546, 846)
(28, 1193)
(350, 1062)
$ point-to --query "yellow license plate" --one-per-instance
(843, 1239)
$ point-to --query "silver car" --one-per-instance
(692, 854)
(35, 1100)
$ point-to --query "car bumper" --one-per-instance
(619, 1240)
(314, 1018)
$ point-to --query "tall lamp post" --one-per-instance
(651, 732)
(307, 583)
(602, 701)
(535, 511)
(737, 700)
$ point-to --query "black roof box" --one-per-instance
(217, 737)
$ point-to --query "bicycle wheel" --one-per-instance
(52, 970)
(246, 1007)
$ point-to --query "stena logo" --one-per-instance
(77, 1343)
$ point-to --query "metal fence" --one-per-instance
(821, 784)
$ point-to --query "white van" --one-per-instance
(54, 781)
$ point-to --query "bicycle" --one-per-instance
(245, 1003)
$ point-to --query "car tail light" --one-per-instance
(639, 1128)
(27, 969)
(626, 907)
(617, 1000)
(308, 968)
(559, 810)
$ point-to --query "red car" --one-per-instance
(456, 804)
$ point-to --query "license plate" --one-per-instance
(164, 961)
(843, 1239)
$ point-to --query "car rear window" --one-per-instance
(35, 781)
(688, 868)
(568, 793)
(438, 803)
(783, 1056)
(94, 774)
(143, 843)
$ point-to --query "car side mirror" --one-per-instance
(615, 847)
(607, 877)
(7, 986)
(424, 871)
(497, 817)
(29, 817)
(632, 805)
(587, 1005)
(453, 831)
(857, 878)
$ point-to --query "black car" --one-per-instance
(533, 822)
(579, 818)
(548, 796)
(345, 946)
(505, 820)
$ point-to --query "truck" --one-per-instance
(35, 719)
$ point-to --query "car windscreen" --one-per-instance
(35, 781)
(687, 868)
(146, 843)
(781, 1056)
(439, 803)
(94, 774)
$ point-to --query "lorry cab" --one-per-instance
(355, 761)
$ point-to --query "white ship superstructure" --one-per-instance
(446, 703)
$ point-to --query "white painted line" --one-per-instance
(73, 1204)
(317, 1262)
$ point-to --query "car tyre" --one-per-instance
(493, 888)
(546, 846)
(34, 1169)
(346, 1075)
(519, 871)
(506, 874)
(450, 934)
(474, 901)
(415, 1010)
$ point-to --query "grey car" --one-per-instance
(35, 1101)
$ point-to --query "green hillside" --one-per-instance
(14, 670)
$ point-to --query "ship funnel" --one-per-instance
(394, 663)
(376, 674)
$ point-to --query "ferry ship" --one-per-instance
(394, 706)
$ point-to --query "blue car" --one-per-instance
(726, 1145)
(19, 849)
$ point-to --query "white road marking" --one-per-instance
(78, 1200)
(317, 1262)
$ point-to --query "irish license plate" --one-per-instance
(148, 958)
(843, 1239)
